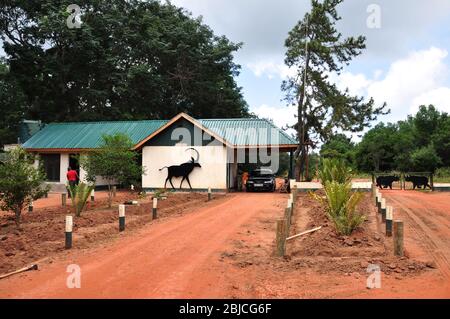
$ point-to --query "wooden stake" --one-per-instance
(383, 210)
(389, 218)
(398, 238)
(379, 203)
(304, 233)
(69, 228)
(287, 217)
(114, 191)
(64, 199)
(155, 207)
(121, 218)
(281, 237)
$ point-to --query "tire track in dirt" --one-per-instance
(436, 248)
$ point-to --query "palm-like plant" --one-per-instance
(339, 198)
(334, 170)
(341, 205)
(79, 195)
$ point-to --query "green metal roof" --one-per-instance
(248, 131)
(27, 129)
(88, 135)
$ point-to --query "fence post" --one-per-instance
(155, 207)
(379, 198)
(64, 199)
(69, 228)
(383, 210)
(281, 237)
(121, 217)
(398, 238)
(389, 218)
(209, 194)
(288, 214)
(114, 191)
(93, 195)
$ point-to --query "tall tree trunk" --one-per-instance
(109, 195)
(300, 153)
(18, 212)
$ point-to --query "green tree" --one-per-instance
(441, 139)
(376, 151)
(114, 161)
(425, 122)
(20, 182)
(129, 60)
(339, 146)
(425, 159)
(403, 144)
(12, 102)
(315, 49)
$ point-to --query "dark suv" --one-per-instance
(261, 179)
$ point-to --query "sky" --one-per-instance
(406, 63)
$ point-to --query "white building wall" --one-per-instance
(64, 164)
(213, 172)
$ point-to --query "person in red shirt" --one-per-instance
(72, 177)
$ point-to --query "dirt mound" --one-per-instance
(327, 242)
(325, 251)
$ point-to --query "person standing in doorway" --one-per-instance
(72, 177)
(244, 180)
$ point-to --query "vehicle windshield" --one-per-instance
(261, 173)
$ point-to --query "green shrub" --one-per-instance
(20, 182)
(334, 170)
(442, 175)
(425, 159)
(341, 205)
(79, 195)
(159, 193)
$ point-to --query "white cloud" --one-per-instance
(439, 98)
(419, 78)
(271, 69)
(281, 116)
(357, 84)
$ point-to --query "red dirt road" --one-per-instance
(427, 225)
(224, 250)
(175, 258)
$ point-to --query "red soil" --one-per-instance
(224, 249)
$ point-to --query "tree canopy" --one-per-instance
(128, 60)
(419, 143)
(315, 49)
(114, 161)
(12, 102)
(20, 182)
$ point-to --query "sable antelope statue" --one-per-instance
(182, 170)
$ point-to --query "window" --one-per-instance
(51, 163)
